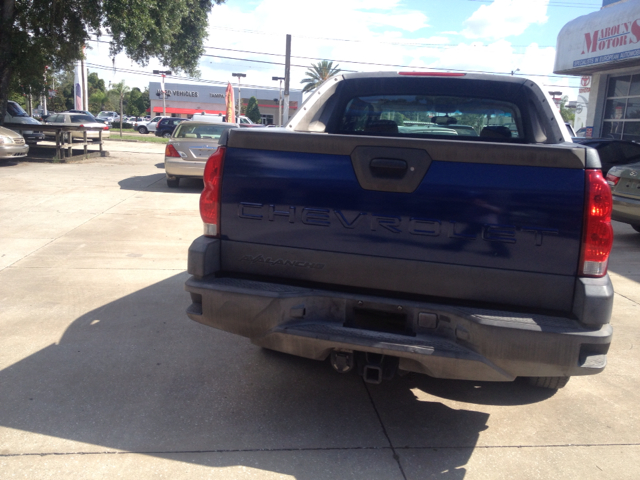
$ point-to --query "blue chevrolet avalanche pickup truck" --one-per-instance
(438, 223)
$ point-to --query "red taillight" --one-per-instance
(170, 151)
(210, 197)
(597, 237)
(612, 180)
(106, 127)
(432, 74)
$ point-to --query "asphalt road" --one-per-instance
(102, 375)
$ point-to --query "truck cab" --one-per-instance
(17, 115)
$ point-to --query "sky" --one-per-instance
(249, 36)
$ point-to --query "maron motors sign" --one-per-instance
(609, 35)
(608, 40)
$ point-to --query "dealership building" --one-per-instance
(603, 48)
(183, 100)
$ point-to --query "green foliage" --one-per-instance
(253, 111)
(35, 34)
(568, 115)
(143, 104)
(131, 107)
(317, 73)
(97, 101)
(95, 84)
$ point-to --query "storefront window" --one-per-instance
(619, 86)
(614, 109)
(622, 108)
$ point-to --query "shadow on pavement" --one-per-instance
(137, 375)
(7, 163)
(157, 183)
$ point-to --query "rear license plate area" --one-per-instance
(386, 319)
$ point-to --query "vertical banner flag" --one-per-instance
(77, 87)
(229, 98)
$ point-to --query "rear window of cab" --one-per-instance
(429, 115)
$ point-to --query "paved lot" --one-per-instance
(103, 376)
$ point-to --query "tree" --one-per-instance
(96, 101)
(568, 115)
(253, 111)
(35, 34)
(133, 102)
(95, 84)
(317, 73)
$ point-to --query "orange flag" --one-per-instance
(231, 104)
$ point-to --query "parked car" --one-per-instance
(16, 114)
(613, 152)
(625, 188)
(167, 125)
(191, 145)
(149, 126)
(67, 118)
(12, 144)
(87, 112)
(219, 118)
(570, 129)
(110, 117)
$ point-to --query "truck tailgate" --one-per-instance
(498, 223)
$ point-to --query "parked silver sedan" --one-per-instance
(12, 144)
(624, 181)
(78, 119)
(190, 146)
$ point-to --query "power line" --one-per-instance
(554, 4)
(223, 83)
(174, 77)
(354, 62)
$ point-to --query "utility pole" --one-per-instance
(239, 76)
(287, 68)
(279, 99)
(164, 99)
(46, 88)
(164, 92)
(121, 109)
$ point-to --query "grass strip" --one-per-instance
(138, 138)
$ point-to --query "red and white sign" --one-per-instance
(602, 37)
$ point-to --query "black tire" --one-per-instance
(166, 135)
(636, 228)
(554, 383)
(143, 130)
(173, 182)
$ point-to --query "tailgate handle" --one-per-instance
(388, 167)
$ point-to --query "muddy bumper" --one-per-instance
(442, 341)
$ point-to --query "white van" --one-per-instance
(16, 114)
(220, 118)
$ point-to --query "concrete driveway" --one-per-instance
(102, 375)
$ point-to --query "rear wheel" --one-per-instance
(143, 130)
(173, 182)
(553, 383)
(636, 228)
(166, 135)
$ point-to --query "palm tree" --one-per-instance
(317, 74)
